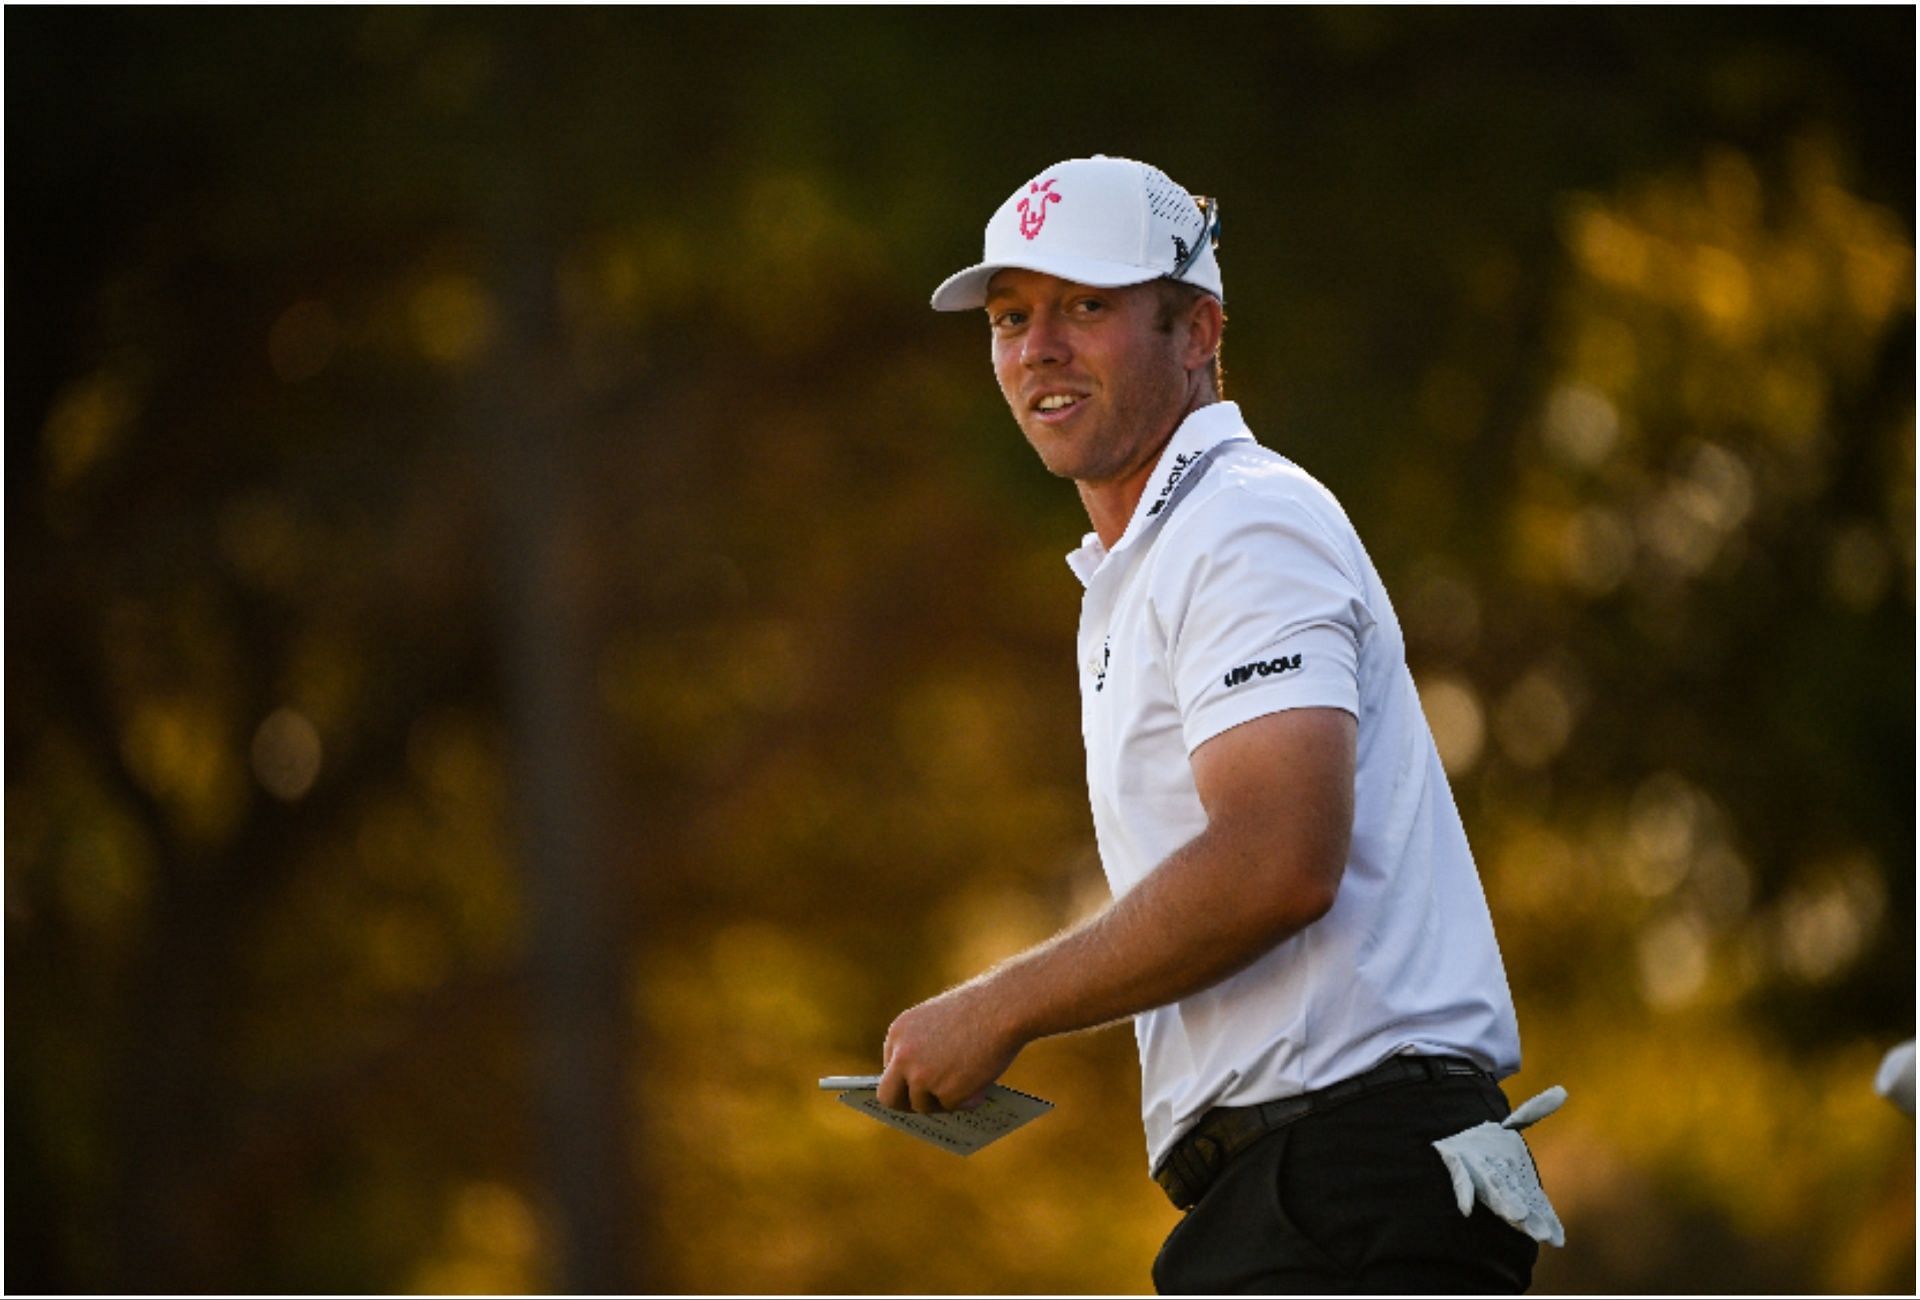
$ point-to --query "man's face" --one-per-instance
(1095, 384)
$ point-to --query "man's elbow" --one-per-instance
(1313, 895)
(1295, 896)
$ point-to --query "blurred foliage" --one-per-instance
(1600, 323)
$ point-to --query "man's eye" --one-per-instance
(1008, 319)
(1091, 306)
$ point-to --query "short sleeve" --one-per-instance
(1261, 614)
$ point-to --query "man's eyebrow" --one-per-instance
(995, 295)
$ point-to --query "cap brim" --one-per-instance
(968, 289)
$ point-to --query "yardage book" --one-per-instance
(962, 1132)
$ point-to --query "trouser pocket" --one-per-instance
(1243, 1238)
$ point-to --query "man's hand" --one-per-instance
(945, 1053)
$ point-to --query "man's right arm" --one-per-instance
(1278, 793)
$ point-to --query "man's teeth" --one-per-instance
(1056, 402)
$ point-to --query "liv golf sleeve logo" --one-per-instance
(1264, 668)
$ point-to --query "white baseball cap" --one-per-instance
(1100, 221)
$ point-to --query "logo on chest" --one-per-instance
(1264, 668)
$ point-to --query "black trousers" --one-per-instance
(1351, 1199)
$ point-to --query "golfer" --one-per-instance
(1297, 927)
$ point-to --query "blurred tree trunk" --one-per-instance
(168, 1093)
(577, 950)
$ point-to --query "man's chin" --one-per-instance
(1062, 457)
(1063, 466)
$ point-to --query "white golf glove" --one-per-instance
(1491, 1161)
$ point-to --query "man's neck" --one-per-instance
(1110, 503)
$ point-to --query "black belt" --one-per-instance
(1225, 1131)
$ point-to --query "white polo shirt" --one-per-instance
(1240, 589)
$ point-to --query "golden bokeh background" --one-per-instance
(528, 643)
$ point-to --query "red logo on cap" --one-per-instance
(1033, 208)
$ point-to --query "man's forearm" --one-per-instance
(1203, 914)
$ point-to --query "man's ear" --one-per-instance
(1206, 322)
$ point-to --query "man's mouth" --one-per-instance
(1055, 407)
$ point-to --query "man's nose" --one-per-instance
(1045, 343)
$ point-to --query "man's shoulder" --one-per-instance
(1254, 522)
(1265, 474)
(1250, 486)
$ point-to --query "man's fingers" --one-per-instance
(901, 1090)
(923, 1099)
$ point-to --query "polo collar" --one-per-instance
(1201, 432)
